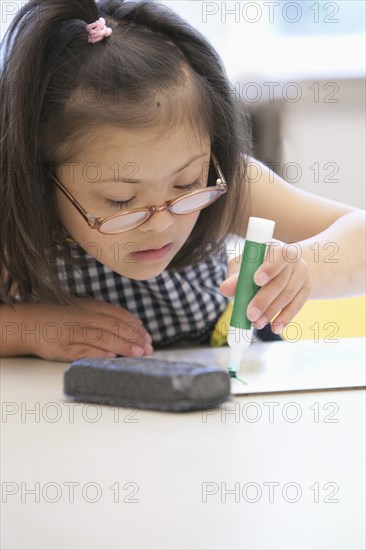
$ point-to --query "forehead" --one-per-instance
(112, 144)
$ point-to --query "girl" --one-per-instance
(125, 168)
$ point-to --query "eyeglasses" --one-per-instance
(125, 221)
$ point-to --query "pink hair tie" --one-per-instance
(98, 30)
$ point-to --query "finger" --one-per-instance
(290, 311)
(233, 266)
(265, 296)
(74, 352)
(228, 286)
(112, 310)
(289, 293)
(125, 321)
(81, 352)
(111, 339)
(127, 351)
(121, 314)
(272, 265)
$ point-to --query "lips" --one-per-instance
(159, 247)
(152, 254)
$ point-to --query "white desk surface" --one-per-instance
(271, 471)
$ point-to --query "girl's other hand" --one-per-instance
(91, 329)
(285, 286)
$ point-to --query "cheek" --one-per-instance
(70, 217)
(110, 250)
(186, 224)
(107, 249)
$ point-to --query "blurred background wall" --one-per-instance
(299, 67)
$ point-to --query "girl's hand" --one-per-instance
(285, 286)
(91, 329)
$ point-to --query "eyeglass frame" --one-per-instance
(96, 222)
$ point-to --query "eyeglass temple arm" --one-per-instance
(218, 169)
(87, 217)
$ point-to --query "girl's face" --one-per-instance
(165, 170)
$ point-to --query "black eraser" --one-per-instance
(147, 383)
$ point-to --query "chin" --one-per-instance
(142, 272)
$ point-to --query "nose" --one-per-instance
(159, 222)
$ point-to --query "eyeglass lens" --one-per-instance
(182, 206)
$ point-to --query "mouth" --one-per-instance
(152, 254)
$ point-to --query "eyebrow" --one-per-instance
(134, 180)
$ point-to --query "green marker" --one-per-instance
(259, 235)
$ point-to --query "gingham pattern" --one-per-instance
(174, 306)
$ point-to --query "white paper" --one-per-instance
(277, 367)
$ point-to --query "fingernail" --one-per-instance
(136, 350)
(254, 313)
(261, 323)
(278, 328)
(230, 278)
(262, 279)
(148, 349)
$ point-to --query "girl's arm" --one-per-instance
(328, 235)
(15, 338)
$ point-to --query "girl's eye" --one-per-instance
(118, 204)
(126, 204)
(195, 185)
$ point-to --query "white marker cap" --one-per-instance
(260, 230)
